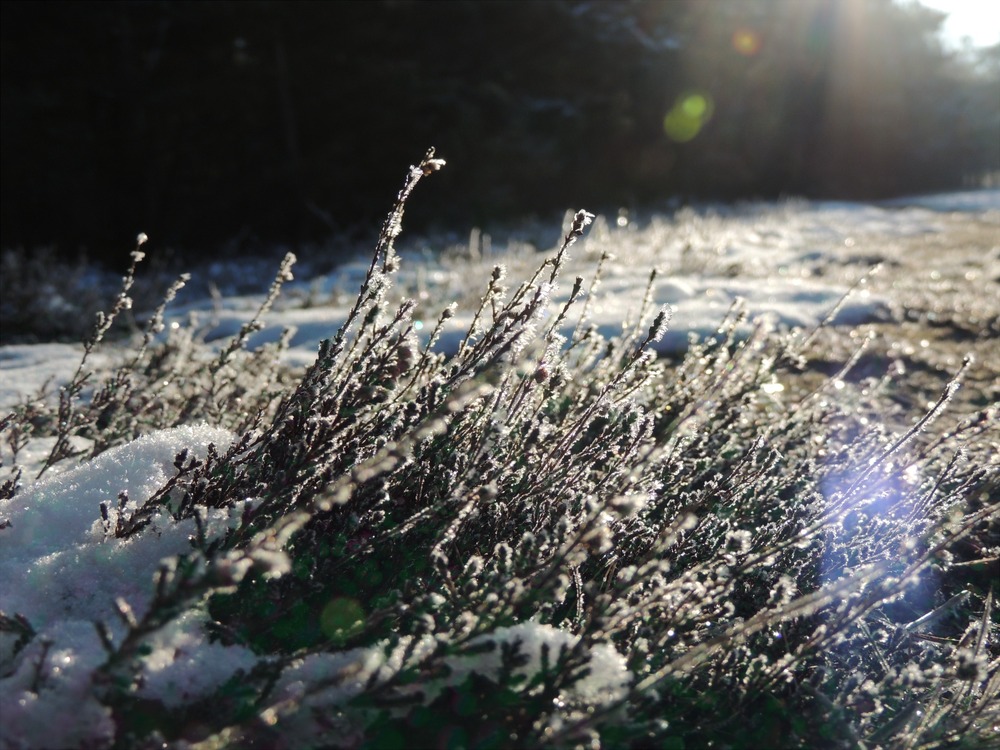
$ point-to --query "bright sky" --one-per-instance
(977, 19)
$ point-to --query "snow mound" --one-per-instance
(60, 564)
(62, 570)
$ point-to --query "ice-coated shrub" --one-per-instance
(548, 538)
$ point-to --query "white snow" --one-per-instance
(48, 700)
(309, 691)
(317, 685)
(606, 682)
(791, 261)
(62, 572)
(183, 665)
(58, 562)
(25, 369)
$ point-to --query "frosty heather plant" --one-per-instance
(67, 417)
(548, 538)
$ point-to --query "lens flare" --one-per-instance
(341, 618)
(746, 41)
(688, 116)
(862, 522)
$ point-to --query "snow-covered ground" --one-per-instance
(775, 258)
(791, 262)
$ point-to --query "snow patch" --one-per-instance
(58, 564)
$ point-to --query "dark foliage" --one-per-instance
(253, 122)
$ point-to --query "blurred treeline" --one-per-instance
(203, 123)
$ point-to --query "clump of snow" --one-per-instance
(58, 563)
(309, 692)
(182, 666)
(62, 572)
(607, 681)
(307, 695)
(344, 675)
(49, 698)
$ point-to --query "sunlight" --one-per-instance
(746, 41)
(973, 19)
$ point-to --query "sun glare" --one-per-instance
(746, 42)
(977, 20)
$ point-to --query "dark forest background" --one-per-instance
(245, 123)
